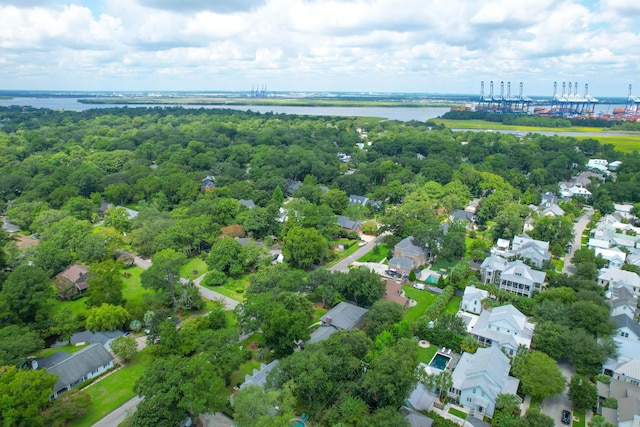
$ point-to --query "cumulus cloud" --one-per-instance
(382, 45)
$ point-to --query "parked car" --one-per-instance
(393, 273)
(419, 286)
(566, 417)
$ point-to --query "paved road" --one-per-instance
(207, 293)
(554, 405)
(578, 229)
(343, 264)
(117, 416)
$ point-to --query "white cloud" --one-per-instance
(380, 45)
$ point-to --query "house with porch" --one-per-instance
(609, 277)
(479, 378)
(514, 276)
(622, 301)
(504, 327)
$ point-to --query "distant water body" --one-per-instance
(403, 114)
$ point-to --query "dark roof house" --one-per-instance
(349, 224)
(208, 182)
(77, 275)
(248, 203)
(342, 317)
(358, 200)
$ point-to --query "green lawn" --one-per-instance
(426, 354)
(481, 124)
(376, 255)
(230, 288)
(623, 143)
(444, 264)
(238, 376)
(195, 265)
(133, 290)
(111, 392)
(458, 413)
(453, 305)
(581, 419)
(424, 300)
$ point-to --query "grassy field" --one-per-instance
(195, 265)
(78, 307)
(114, 390)
(623, 143)
(376, 256)
(424, 300)
(481, 124)
(67, 349)
(453, 305)
(133, 290)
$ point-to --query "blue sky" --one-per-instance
(434, 46)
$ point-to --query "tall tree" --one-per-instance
(106, 318)
(27, 292)
(105, 283)
(24, 396)
(164, 272)
(17, 342)
(382, 316)
(303, 247)
(582, 393)
(254, 406)
(540, 376)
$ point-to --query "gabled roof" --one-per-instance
(355, 199)
(471, 292)
(347, 223)
(487, 368)
(463, 215)
(259, 377)
(614, 275)
(74, 273)
(408, 246)
(518, 272)
(52, 360)
(248, 203)
(79, 364)
(621, 296)
(94, 337)
(624, 321)
(494, 262)
(553, 210)
(342, 317)
(402, 262)
(510, 314)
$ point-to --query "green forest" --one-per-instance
(104, 188)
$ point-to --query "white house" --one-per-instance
(74, 369)
(622, 301)
(609, 277)
(521, 279)
(472, 299)
(628, 328)
(599, 164)
(615, 256)
(479, 378)
(504, 327)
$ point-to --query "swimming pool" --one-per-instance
(440, 361)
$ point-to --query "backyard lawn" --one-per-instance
(424, 300)
(193, 269)
(453, 305)
(426, 354)
(133, 289)
(77, 307)
(114, 390)
(377, 254)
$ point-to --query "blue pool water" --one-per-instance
(439, 361)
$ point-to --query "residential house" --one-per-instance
(349, 224)
(627, 328)
(609, 277)
(624, 369)
(247, 202)
(9, 226)
(408, 255)
(358, 200)
(569, 191)
(504, 327)
(552, 211)
(514, 276)
(415, 419)
(104, 338)
(344, 158)
(614, 165)
(421, 398)
(536, 251)
(464, 216)
(208, 182)
(131, 214)
(627, 414)
(259, 376)
(623, 301)
(624, 210)
(342, 317)
(598, 164)
(615, 256)
(72, 281)
(473, 206)
(292, 186)
(472, 299)
(74, 369)
(548, 200)
(479, 378)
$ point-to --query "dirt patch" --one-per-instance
(24, 242)
(253, 346)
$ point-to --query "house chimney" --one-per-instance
(327, 321)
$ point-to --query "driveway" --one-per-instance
(117, 416)
(343, 264)
(207, 293)
(578, 229)
(554, 405)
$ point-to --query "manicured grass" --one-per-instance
(453, 305)
(67, 349)
(376, 256)
(114, 390)
(318, 313)
(133, 290)
(229, 288)
(424, 300)
(426, 354)
(559, 263)
(195, 264)
(458, 413)
(245, 369)
(581, 419)
(623, 143)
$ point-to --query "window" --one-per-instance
(474, 391)
(624, 334)
(468, 399)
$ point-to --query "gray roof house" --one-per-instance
(628, 396)
(358, 200)
(520, 279)
(349, 224)
(627, 328)
(622, 301)
(342, 317)
(259, 376)
(77, 368)
(415, 419)
(612, 276)
(463, 215)
(504, 327)
(548, 199)
(479, 378)
(248, 203)
(535, 251)
(491, 269)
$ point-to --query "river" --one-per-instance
(403, 114)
